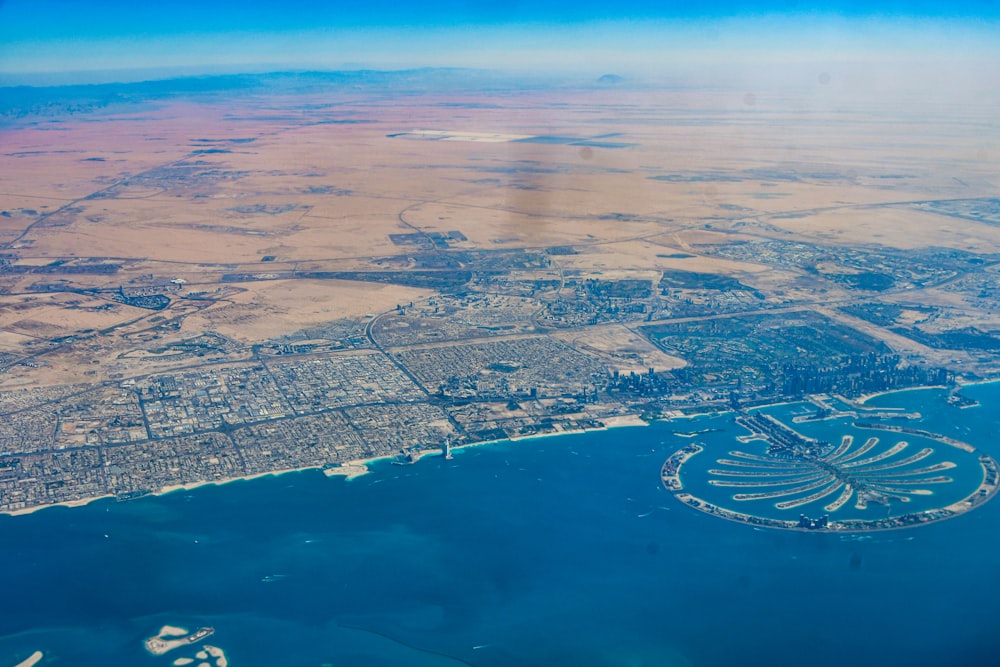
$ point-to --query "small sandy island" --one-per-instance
(218, 658)
(31, 660)
(219, 655)
(348, 470)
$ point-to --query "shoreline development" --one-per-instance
(351, 469)
(959, 386)
(335, 270)
(356, 468)
(795, 465)
(325, 324)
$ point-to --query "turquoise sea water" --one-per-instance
(713, 474)
(557, 551)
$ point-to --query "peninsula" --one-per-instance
(31, 660)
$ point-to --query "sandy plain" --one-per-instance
(621, 349)
(193, 190)
(270, 309)
(270, 221)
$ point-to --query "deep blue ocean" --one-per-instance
(553, 551)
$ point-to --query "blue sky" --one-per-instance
(99, 39)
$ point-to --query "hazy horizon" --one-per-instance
(46, 42)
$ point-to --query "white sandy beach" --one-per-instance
(618, 421)
(356, 468)
(68, 503)
(864, 398)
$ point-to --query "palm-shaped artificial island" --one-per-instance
(876, 482)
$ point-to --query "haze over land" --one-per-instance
(932, 44)
(199, 275)
(239, 239)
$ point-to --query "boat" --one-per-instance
(199, 634)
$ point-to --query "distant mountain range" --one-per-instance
(21, 101)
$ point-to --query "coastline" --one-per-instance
(619, 421)
(66, 503)
(959, 385)
(356, 468)
(160, 492)
(975, 383)
(349, 470)
(864, 398)
(988, 487)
